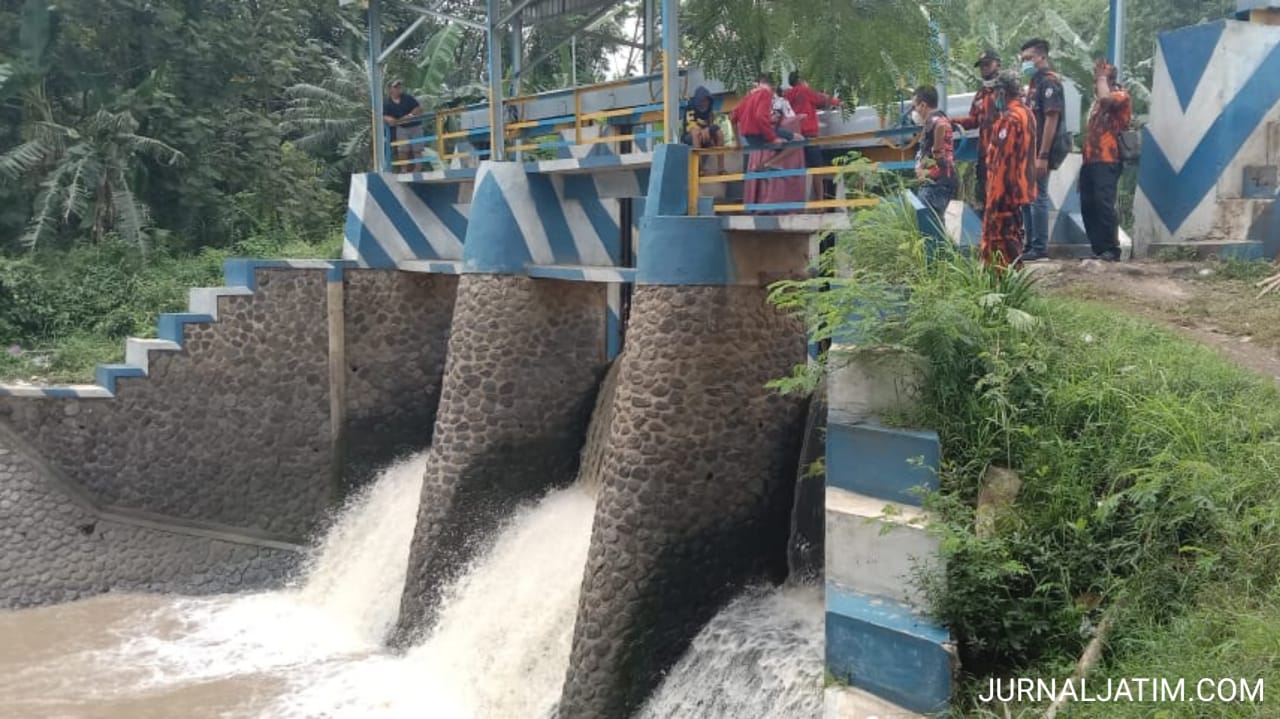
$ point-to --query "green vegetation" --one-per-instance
(141, 142)
(1148, 467)
(62, 313)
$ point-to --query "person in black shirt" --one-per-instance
(700, 128)
(1044, 96)
(396, 106)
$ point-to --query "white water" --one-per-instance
(499, 650)
(760, 657)
(500, 647)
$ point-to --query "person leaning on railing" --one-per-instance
(753, 120)
(807, 102)
(397, 106)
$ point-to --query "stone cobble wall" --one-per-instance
(524, 360)
(696, 493)
(232, 429)
(396, 336)
(54, 548)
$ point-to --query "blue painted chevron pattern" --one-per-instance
(1215, 92)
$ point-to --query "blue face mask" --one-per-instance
(1028, 68)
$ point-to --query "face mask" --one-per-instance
(1028, 68)
(991, 82)
(916, 118)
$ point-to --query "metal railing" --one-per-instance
(697, 180)
(521, 134)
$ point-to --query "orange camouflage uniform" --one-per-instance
(1011, 182)
(982, 113)
(1107, 119)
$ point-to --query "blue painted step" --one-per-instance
(881, 462)
(170, 325)
(882, 647)
(105, 375)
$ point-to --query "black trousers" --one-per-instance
(1098, 182)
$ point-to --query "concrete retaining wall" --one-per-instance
(695, 496)
(240, 419)
(396, 337)
(56, 546)
(524, 360)
(232, 426)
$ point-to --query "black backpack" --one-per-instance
(1063, 142)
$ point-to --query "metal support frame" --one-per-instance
(1115, 38)
(515, 12)
(395, 45)
(517, 52)
(378, 129)
(447, 16)
(497, 110)
(650, 35)
(671, 70)
(586, 24)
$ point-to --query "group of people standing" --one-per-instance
(1021, 140)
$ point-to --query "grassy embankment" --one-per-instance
(1149, 470)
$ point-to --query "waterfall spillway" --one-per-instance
(500, 647)
(761, 656)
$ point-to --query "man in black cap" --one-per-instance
(981, 114)
(396, 106)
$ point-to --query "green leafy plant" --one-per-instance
(1146, 462)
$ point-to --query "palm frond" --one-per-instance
(76, 199)
(153, 148)
(45, 217)
(130, 215)
(24, 158)
(437, 59)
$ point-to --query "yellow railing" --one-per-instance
(697, 180)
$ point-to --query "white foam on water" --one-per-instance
(759, 658)
(500, 646)
(345, 603)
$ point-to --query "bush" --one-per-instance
(1147, 462)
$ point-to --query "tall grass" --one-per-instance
(1149, 468)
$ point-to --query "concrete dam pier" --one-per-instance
(578, 361)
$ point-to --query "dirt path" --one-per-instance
(1198, 299)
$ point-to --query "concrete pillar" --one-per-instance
(525, 357)
(695, 494)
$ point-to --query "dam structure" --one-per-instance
(572, 350)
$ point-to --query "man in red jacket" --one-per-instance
(806, 102)
(753, 117)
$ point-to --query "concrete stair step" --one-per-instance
(137, 351)
(873, 546)
(851, 703)
(888, 650)
(204, 300)
(882, 462)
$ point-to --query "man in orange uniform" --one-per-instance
(1011, 174)
(981, 114)
(1109, 116)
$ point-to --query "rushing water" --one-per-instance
(499, 650)
(759, 657)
